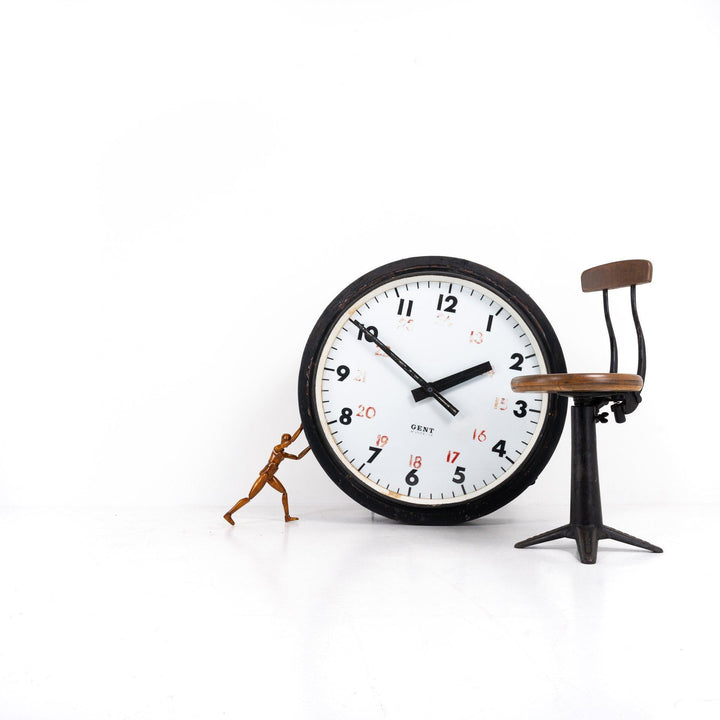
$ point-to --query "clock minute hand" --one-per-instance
(431, 391)
(453, 380)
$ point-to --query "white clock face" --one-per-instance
(413, 449)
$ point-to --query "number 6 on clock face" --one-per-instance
(405, 394)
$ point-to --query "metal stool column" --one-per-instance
(585, 506)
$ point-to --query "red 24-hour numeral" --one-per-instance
(415, 461)
(452, 456)
(366, 412)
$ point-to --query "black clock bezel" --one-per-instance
(463, 510)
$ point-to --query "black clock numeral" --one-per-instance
(408, 309)
(375, 452)
(522, 409)
(343, 371)
(450, 303)
(459, 476)
(412, 478)
(345, 416)
(489, 323)
(370, 329)
(518, 358)
(499, 448)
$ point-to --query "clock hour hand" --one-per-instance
(431, 391)
(452, 380)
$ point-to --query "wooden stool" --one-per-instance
(590, 392)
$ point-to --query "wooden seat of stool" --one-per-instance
(576, 384)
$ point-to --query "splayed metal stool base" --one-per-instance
(586, 524)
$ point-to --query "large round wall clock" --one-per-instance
(405, 395)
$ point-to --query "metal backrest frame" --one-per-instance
(626, 273)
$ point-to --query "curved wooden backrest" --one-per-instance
(616, 275)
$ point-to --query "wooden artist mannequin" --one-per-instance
(267, 475)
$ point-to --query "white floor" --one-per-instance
(174, 614)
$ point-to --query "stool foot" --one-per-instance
(556, 534)
(613, 534)
(586, 537)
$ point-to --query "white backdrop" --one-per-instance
(185, 186)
